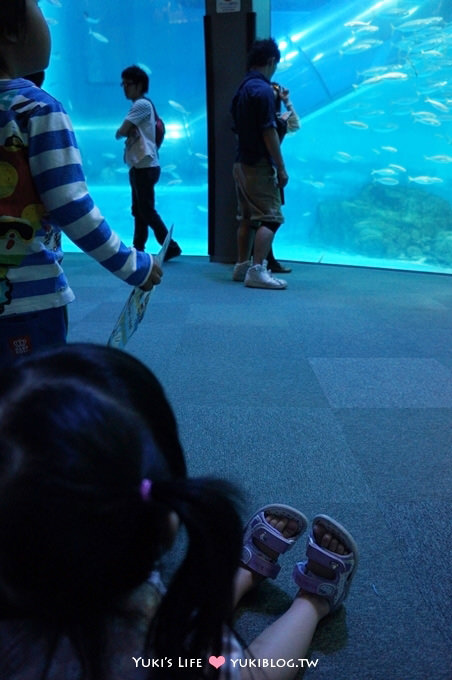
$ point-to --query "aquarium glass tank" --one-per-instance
(371, 167)
(92, 42)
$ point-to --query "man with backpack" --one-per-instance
(144, 131)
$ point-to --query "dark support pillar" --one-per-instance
(228, 36)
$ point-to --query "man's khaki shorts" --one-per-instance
(258, 194)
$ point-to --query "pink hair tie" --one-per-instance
(145, 489)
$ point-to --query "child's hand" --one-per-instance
(154, 278)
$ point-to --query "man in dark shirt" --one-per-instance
(259, 171)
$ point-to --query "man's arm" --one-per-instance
(124, 130)
(271, 141)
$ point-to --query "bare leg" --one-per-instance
(287, 638)
(262, 244)
(271, 259)
(244, 240)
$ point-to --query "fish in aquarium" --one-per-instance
(424, 179)
(178, 107)
(357, 78)
(441, 158)
(98, 36)
(89, 19)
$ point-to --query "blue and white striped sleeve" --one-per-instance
(57, 171)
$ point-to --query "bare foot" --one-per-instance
(327, 540)
(286, 526)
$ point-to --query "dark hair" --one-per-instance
(13, 16)
(122, 375)
(36, 78)
(137, 76)
(76, 441)
(262, 51)
(13, 19)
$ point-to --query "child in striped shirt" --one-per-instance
(42, 194)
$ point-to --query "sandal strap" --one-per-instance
(334, 589)
(258, 529)
(325, 557)
(271, 537)
(312, 583)
(259, 562)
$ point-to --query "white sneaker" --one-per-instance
(240, 270)
(259, 276)
(281, 281)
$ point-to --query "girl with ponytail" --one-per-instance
(93, 492)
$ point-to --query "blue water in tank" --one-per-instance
(371, 168)
(92, 42)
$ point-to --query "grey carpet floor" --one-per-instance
(334, 396)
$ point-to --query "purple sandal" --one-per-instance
(259, 529)
(335, 589)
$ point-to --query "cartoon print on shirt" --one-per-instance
(21, 211)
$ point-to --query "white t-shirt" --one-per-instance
(142, 116)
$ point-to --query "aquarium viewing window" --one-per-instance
(371, 168)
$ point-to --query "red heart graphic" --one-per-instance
(217, 661)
